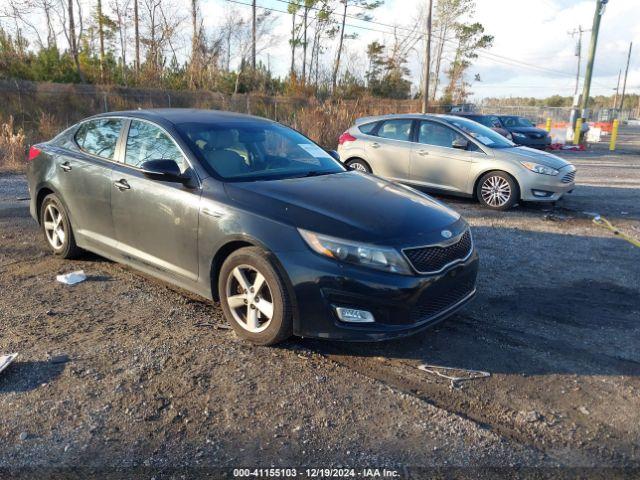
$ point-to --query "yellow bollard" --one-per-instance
(548, 125)
(576, 133)
(614, 135)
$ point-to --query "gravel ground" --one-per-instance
(122, 372)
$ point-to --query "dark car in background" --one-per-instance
(525, 133)
(246, 211)
(491, 121)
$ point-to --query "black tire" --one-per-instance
(280, 326)
(492, 188)
(63, 247)
(359, 165)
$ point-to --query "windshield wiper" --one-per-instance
(317, 173)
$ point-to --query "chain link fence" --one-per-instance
(42, 109)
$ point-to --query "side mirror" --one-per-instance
(334, 154)
(460, 143)
(164, 171)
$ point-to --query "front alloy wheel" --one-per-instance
(254, 297)
(249, 299)
(498, 190)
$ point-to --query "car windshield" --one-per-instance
(482, 134)
(516, 122)
(250, 151)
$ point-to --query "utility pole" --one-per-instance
(427, 61)
(600, 6)
(576, 98)
(578, 31)
(626, 71)
(615, 99)
(253, 36)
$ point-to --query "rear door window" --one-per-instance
(399, 129)
(368, 128)
(99, 137)
(146, 142)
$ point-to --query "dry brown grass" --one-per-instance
(12, 146)
(48, 126)
(324, 123)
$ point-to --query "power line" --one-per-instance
(487, 55)
(418, 35)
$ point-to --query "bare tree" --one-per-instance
(308, 4)
(364, 5)
(162, 20)
(136, 23)
(254, 40)
(447, 13)
(292, 8)
(23, 13)
(101, 35)
(325, 26)
(71, 37)
(244, 40)
(122, 9)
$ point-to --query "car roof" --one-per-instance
(473, 114)
(176, 116)
(392, 116)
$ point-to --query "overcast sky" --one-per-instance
(527, 31)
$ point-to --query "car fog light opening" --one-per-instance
(352, 315)
(541, 193)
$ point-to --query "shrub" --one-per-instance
(12, 146)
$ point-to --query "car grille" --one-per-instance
(569, 177)
(432, 305)
(434, 259)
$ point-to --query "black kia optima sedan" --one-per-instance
(246, 211)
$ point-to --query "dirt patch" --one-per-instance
(123, 371)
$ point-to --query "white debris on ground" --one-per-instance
(72, 278)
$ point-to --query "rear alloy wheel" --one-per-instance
(498, 190)
(254, 297)
(359, 165)
(57, 228)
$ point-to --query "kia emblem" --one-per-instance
(446, 233)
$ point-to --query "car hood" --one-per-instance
(528, 130)
(526, 154)
(349, 205)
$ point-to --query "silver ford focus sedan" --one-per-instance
(457, 156)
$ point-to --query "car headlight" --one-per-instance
(372, 256)
(518, 135)
(509, 136)
(537, 168)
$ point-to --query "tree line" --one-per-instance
(164, 44)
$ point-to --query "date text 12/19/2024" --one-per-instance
(315, 473)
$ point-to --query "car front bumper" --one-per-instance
(401, 304)
(535, 187)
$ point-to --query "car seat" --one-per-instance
(219, 155)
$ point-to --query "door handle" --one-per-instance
(424, 153)
(122, 185)
(375, 145)
(66, 166)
